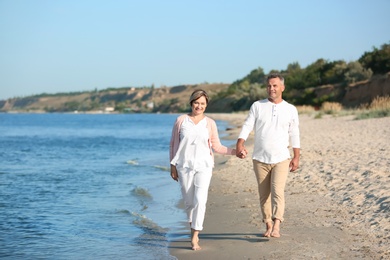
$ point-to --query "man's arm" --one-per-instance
(241, 151)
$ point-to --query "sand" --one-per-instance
(337, 203)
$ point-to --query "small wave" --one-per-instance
(123, 211)
(147, 225)
(141, 192)
(163, 168)
(132, 162)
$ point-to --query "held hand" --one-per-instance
(244, 153)
(241, 153)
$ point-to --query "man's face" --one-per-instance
(275, 89)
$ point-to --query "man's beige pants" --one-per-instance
(271, 180)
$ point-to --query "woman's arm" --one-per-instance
(216, 143)
(175, 137)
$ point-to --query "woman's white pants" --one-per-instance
(194, 188)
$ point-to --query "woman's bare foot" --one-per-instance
(195, 244)
(276, 229)
(195, 240)
(269, 229)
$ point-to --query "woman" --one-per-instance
(194, 138)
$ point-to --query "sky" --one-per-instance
(53, 46)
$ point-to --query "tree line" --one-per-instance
(301, 81)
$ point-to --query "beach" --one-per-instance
(337, 202)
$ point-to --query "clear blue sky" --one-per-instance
(75, 45)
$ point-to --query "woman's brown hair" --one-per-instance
(197, 94)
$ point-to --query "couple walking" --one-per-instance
(195, 138)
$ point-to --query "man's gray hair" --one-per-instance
(275, 75)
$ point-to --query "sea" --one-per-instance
(88, 186)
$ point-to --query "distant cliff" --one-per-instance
(130, 100)
(175, 99)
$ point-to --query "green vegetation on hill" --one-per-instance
(302, 82)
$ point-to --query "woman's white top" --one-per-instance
(194, 150)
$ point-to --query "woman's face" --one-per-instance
(199, 106)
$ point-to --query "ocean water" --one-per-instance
(88, 186)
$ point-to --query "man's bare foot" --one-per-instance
(276, 229)
(275, 233)
(269, 229)
(195, 240)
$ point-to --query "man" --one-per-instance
(275, 124)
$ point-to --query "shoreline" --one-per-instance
(337, 203)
